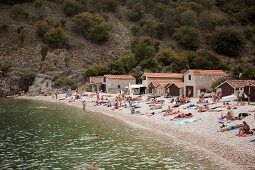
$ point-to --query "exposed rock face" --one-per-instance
(9, 85)
(41, 85)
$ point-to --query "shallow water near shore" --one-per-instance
(42, 135)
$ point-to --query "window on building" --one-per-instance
(118, 86)
(104, 79)
(189, 77)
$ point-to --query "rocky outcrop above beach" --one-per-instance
(9, 85)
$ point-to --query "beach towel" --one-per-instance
(253, 140)
(184, 122)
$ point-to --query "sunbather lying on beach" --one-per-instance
(203, 108)
(172, 113)
(186, 115)
(230, 127)
(245, 129)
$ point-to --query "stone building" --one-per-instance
(96, 83)
(230, 86)
(147, 78)
(116, 83)
(156, 86)
(196, 81)
(175, 89)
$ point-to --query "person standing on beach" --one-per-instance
(84, 105)
(56, 95)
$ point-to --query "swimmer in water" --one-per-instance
(93, 166)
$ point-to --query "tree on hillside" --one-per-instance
(245, 69)
(227, 41)
(205, 59)
(143, 48)
(187, 36)
(92, 26)
(56, 38)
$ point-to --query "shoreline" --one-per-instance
(221, 152)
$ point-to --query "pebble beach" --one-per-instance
(201, 133)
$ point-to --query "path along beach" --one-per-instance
(200, 132)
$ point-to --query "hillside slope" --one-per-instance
(179, 25)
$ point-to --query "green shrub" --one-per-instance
(92, 27)
(160, 30)
(56, 38)
(244, 69)
(96, 70)
(205, 59)
(41, 28)
(188, 37)
(123, 65)
(71, 7)
(43, 52)
(18, 13)
(136, 13)
(227, 41)
(26, 80)
(189, 18)
(63, 81)
(143, 47)
(38, 4)
(109, 5)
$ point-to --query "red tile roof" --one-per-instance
(207, 72)
(121, 77)
(178, 84)
(155, 83)
(164, 75)
(96, 80)
(238, 83)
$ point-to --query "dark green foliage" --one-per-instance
(149, 64)
(41, 28)
(245, 69)
(56, 38)
(18, 13)
(189, 18)
(188, 37)
(97, 70)
(150, 28)
(123, 65)
(65, 81)
(160, 30)
(71, 7)
(143, 48)
(38, 4)
(109, 5)
(137, 72)
(136, 13)
(205, 59)
(172, 61)
(92, 27)
(26, 80)
(227, 41)
(43, 52)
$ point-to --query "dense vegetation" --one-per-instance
(167, 35)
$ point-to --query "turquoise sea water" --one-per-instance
(41, 135)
